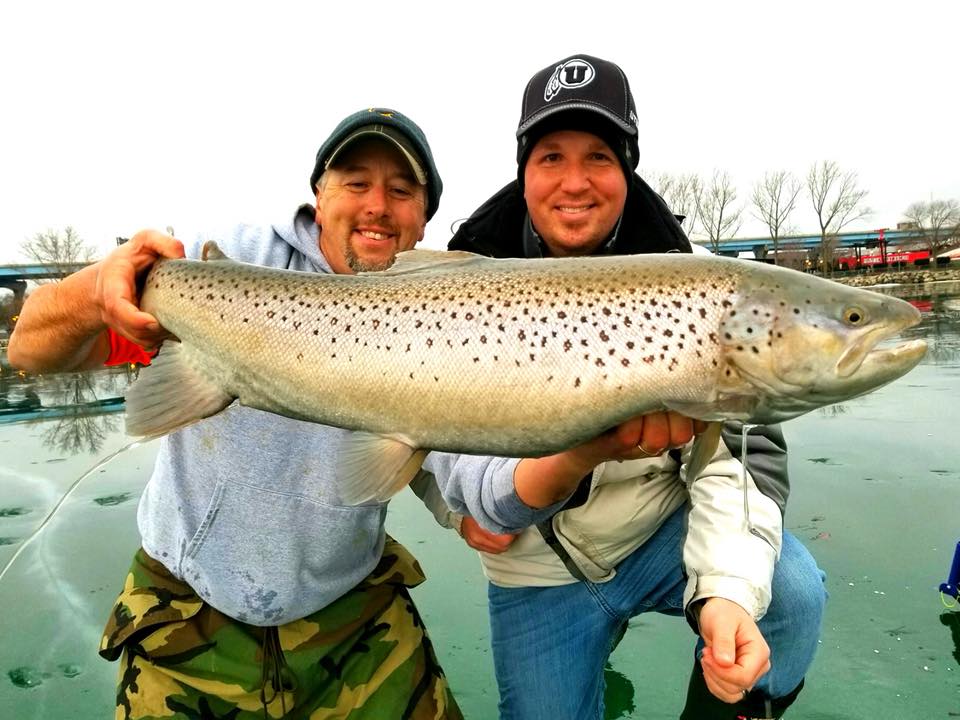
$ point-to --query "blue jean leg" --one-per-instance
(549, 648)
(791, 626)
(550, 644)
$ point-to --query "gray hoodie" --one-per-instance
(242, 506)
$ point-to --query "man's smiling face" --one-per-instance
(369, 208)
(575, 191)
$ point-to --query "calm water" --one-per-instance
(876, 497)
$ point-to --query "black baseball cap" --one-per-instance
(393, 127)
(581, 92)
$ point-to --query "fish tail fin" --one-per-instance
(376, 467)
(169, 394)
(704, 448)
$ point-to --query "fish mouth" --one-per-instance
(893, 361)
(865, 351)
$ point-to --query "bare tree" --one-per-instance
(837, 202)
(682, 195)
(718, 217)
(774, 198)
(57, 249)
(939, 220)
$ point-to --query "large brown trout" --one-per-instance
(520, 358)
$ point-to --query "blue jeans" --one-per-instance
(550, 644)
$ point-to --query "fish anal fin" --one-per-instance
(171, 393)
(375, 467)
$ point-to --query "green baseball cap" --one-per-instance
(393, 127)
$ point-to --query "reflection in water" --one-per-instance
(952, 621)
(618, 694)
(834, 410)
(79, 430)
(78, 405)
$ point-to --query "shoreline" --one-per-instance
(900, 277)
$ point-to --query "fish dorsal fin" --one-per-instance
(211, 251)
(169, 394)
(412, 261)
(376, 467)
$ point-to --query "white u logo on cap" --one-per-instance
(572, 74)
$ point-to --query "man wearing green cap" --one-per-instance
(576, 544)
(257, 591)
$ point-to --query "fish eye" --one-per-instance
(854, 316)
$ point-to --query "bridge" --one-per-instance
(15, 277)
(761, 246)
(10, 274)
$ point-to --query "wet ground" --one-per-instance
(876, 497)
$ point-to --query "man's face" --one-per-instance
(369, 208)
(575, 191)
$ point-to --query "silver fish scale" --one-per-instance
(504, 356)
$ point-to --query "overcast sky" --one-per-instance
(123, 115)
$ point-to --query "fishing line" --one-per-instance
(62, 500)
(743, 477)
(951, 606)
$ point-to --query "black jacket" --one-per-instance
(497, 227)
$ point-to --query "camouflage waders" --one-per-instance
(364, 657)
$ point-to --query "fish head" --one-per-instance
(801, 342)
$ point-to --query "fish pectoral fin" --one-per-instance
(413, 261)
(169, 394)
(704, 448)
(375, 467)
